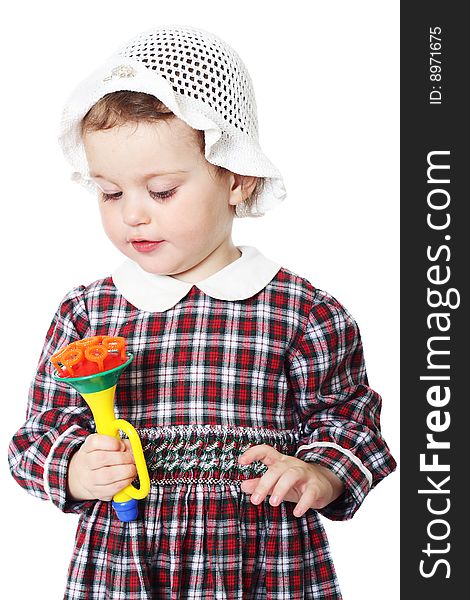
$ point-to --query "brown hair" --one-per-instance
(118, 108)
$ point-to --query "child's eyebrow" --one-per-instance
(148, 175)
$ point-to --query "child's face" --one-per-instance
(192, 223)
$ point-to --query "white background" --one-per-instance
(327, 87)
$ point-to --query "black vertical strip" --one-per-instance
(435, 259)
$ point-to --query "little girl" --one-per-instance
(248, 387)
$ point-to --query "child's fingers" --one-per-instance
(105, 458)
(265, 485)
(127, 445)
(114, 475)
(285, 487)
(99, 441)
(262, 452)
(279, 483)
(106, 491)
(309, 499)
(117, 487)
(249, 485)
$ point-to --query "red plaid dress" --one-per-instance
(210, 378)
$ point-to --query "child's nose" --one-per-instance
(135, 212)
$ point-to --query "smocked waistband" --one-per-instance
(208, 453)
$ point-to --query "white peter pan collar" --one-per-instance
(240, 279)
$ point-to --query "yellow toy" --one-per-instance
(92, 366)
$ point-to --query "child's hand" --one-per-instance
(290, 478)
(103, 466)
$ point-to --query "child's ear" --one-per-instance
(248, 185)
(243, 186)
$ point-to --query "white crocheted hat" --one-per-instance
(203, 81)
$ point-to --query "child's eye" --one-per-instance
(155, 195)
(162, 195)
(106, 196)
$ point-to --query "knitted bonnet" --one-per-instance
(203, 81)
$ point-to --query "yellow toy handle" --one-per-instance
(98, 391)
(142, 472)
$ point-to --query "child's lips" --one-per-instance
(145, 245)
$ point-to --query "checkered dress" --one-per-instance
(210, 378)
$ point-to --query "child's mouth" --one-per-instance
(145, 245)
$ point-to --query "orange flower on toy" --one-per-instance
(90, 356)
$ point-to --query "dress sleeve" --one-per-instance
(339, 413)
(57, 419)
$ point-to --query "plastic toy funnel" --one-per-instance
(98, 392)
